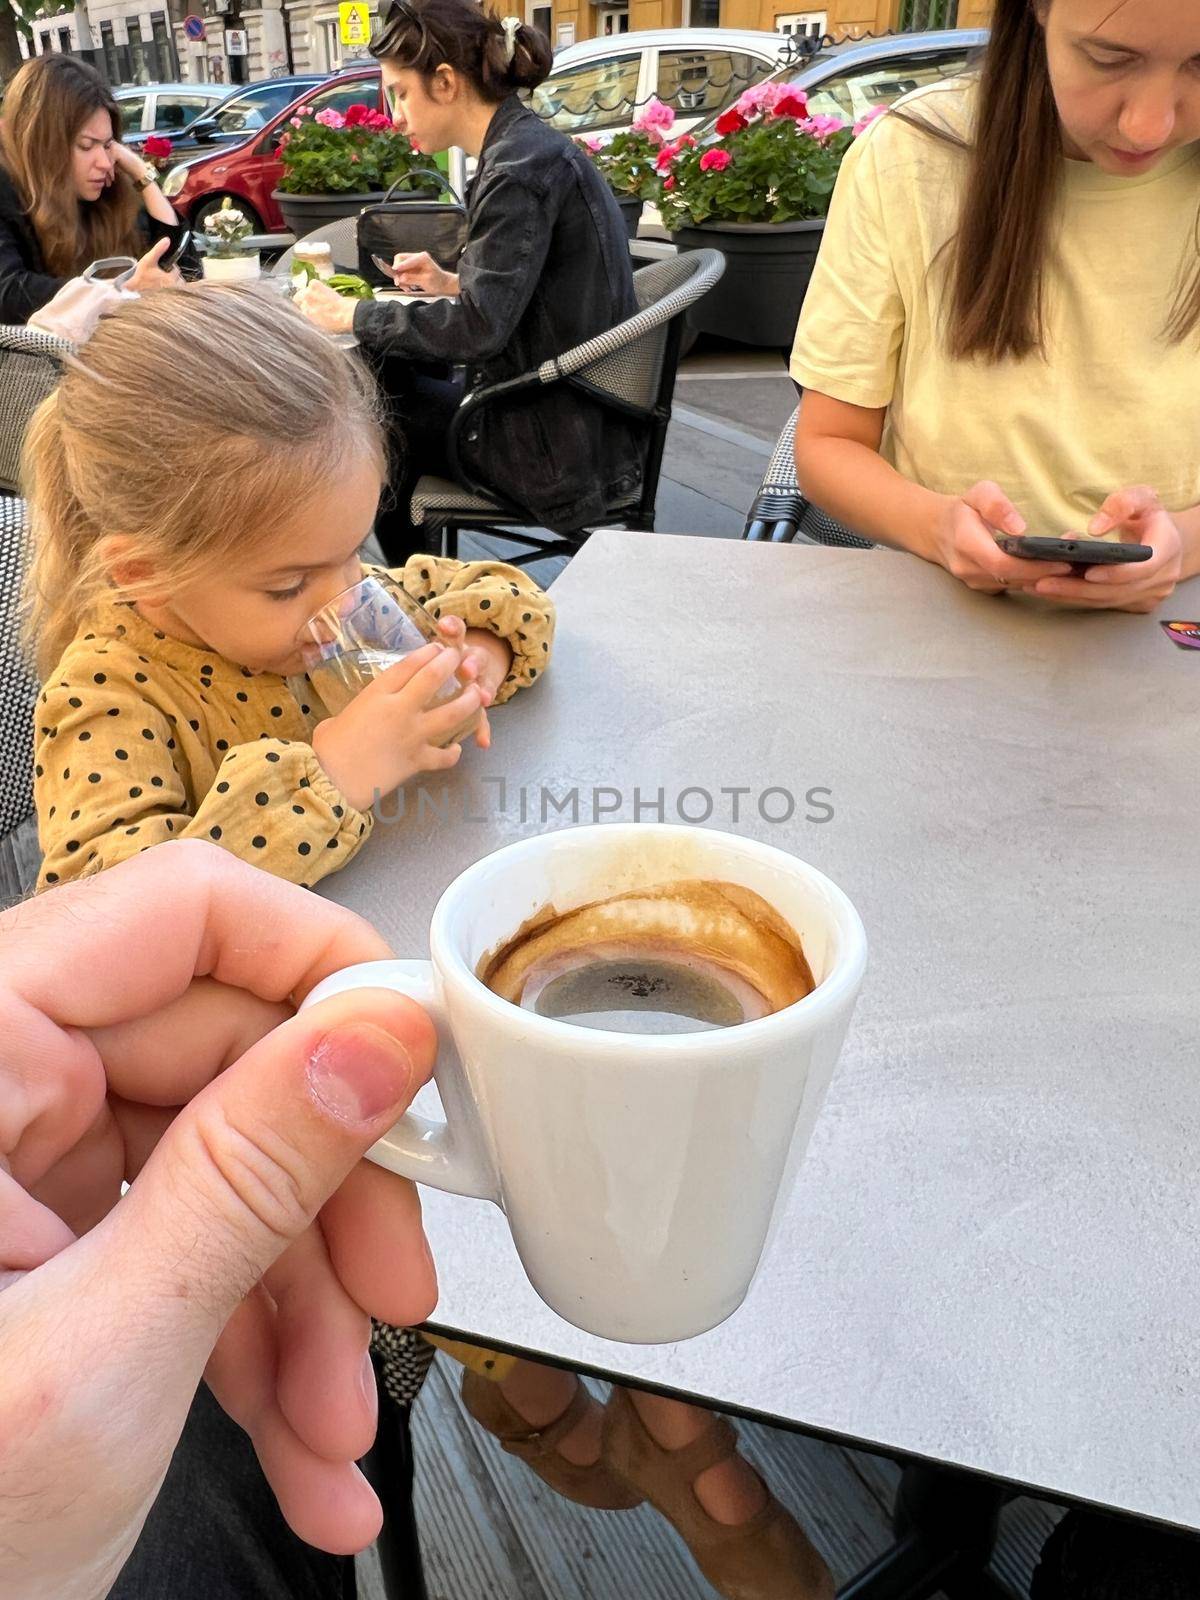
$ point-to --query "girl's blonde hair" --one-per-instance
(45, 106)
(194, 423)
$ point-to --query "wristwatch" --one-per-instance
(149, 176)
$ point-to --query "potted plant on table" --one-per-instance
(227, 257)
(628, 162)
(759, 193)
(334, 164)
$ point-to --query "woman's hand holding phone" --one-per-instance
(964, 542)
(1136, 586)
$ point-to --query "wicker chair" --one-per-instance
(29, 370)
(781, 514)
(18, 695)
(630, 369)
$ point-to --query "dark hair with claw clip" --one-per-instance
(427, 34)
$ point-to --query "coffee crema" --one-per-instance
(680, 957)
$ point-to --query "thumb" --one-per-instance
(246, 1166)
(156, 252)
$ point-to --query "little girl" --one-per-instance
(200, 484)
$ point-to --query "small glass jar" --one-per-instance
(315, 254)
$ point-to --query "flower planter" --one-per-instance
(306, 213)
(231, 269)
(631, 212)
(767, 268)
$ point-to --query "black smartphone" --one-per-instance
(171, 259)
(1079, 552)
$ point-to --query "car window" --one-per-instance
(697, 82)
(271, 99)
(590, 97)
(850, 95)
(131, 112)
(172, 112)
(243, 115)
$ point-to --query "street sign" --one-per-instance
(236, 43)
(193, 28)
(354, 22)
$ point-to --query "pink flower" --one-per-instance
(305, 111)
(353, 155)
(329, 118)
(762, 97)
(670, 183)
(665, 158)
(654, 117)
(594, 145)
(296, 123)
(715, 160)
(821, 127)
(864, 123)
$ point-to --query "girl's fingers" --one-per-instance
(432, 675)
(442, 720)
(403, 673)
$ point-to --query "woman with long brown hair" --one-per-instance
(70, 193)
(1003, 330)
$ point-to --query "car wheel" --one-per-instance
(214, 202)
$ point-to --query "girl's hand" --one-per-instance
(330, 311)
(486, 657)
(964, 542)
(149, 275)
(392, 730)
(420, 274)
(1139, 585)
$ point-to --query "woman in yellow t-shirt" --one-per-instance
(1009, 290)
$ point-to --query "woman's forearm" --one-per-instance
(852, 482)
(158, 206)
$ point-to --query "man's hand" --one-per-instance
(149, 1035)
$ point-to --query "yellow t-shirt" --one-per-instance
(1112, 403)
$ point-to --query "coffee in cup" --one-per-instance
(680, 957)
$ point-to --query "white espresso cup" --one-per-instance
(639, 1174)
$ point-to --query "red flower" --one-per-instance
(715, 160)
(670, 183)
(664, 158)
(156, 149)
(357, 115)
(793, 104)
(731, 121)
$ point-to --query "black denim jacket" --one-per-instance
(546, 265)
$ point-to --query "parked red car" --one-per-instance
(249, 171)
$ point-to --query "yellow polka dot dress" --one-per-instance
(140, 738)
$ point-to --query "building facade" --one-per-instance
(154, 41)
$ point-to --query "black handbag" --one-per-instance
(411, 223)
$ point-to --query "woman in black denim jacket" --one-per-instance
(546, 266)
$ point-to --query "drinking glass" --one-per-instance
(363, 631)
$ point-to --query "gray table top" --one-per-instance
(990, 1258)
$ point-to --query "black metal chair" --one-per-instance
(630, 369)
(782, 515)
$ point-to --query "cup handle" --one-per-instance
(448, 1153)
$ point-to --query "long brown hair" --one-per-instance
(425, 34)
(45, 105)
(996, 263)
(227, 460)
